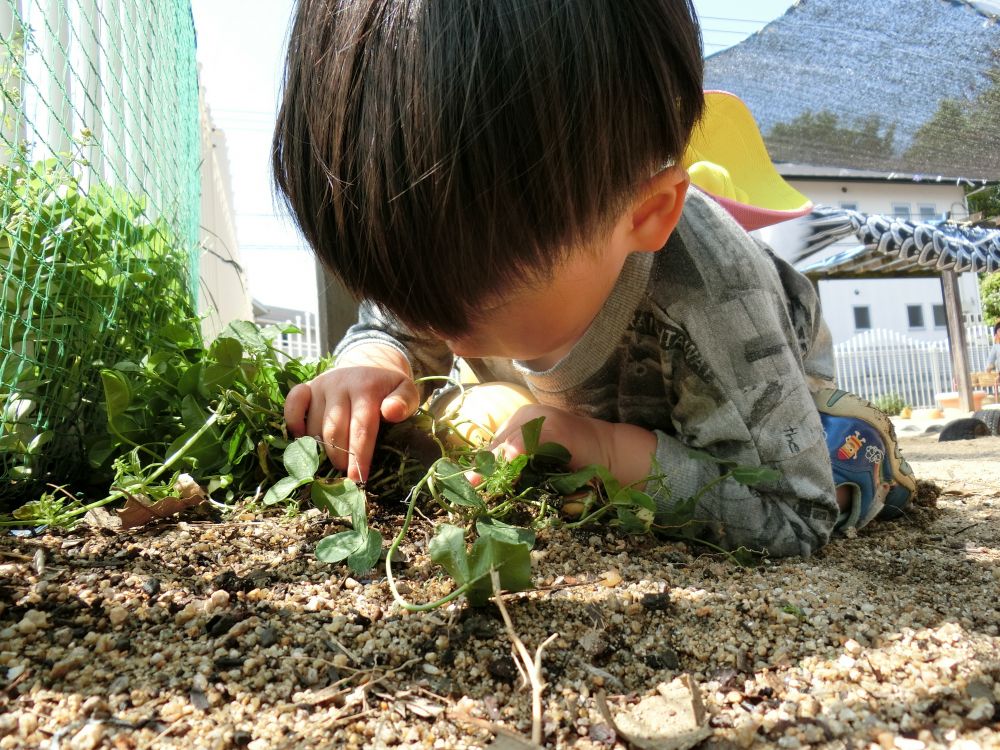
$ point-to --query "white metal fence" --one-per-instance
(880, 362)
(303, 345)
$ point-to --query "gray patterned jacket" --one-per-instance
(713, 343)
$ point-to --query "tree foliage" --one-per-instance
(963, 136)
(822, 137)
(989, 294)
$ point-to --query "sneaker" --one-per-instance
(865, 455)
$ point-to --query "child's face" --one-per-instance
(539, 323)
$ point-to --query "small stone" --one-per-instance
(190, 611)
(117, 616)
(341, 660)
(852, 647)
(431, 669)
(656, 602)
(89, 737)
(27, 723)
(982, 710)
(351, 584)
(611, 579)
(95, 706)
(218, 600)
(151, 587)
(267, 636)
(32, 622)
(905, 743)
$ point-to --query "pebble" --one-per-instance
(611, 579)
(117, 615)
(27, 723)
(218, 600)
(350, 584)
(89, 737)
(33, 621)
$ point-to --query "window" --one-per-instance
(915, 315)
(901, 210)
(940, 321)
(849, 205)
(928, 211)
(862, 318)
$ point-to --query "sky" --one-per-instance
(241, 51)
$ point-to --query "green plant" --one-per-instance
(87, 279)
(491, 526)
(891, 404)
(989, 294)
(214, 412)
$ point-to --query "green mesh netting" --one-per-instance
(99, 203)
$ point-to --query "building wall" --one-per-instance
(887, 300)
(223, 293)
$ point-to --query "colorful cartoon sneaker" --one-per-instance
(865, 455)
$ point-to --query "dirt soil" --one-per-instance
(201, 634)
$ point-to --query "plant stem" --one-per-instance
(174, 458)
(414, 492)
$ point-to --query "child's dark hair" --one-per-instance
(437, 152)
(996, 327)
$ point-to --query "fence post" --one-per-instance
(956, 338)
(12, 50)
(56, 22)
(115, 100)
(90, 105)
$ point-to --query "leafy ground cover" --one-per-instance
(186, 424)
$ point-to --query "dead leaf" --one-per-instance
(424, 708)
(138, 510)
(674, 719)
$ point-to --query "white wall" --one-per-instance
(886, 299)
(224, 294)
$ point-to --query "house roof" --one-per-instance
(895, 60)
(845, 174)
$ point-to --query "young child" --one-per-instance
(501, 181)
(993, 360)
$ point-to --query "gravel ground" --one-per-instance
(222, 635)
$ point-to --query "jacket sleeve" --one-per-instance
(426, 355)
(740, 394)
(991, 360)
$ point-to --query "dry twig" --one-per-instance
(531, 669)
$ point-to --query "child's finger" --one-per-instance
(365, 419)
(332, 430)
(296, 407)
(401, 403)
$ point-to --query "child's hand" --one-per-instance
(342, 407)
(625, 449)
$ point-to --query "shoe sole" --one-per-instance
(832, 401)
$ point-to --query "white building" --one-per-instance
(912, 306)
(223, 294)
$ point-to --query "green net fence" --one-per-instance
(99, 203)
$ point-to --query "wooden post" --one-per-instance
(956, 338)
(337, 309)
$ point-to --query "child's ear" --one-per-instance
(655, 214)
